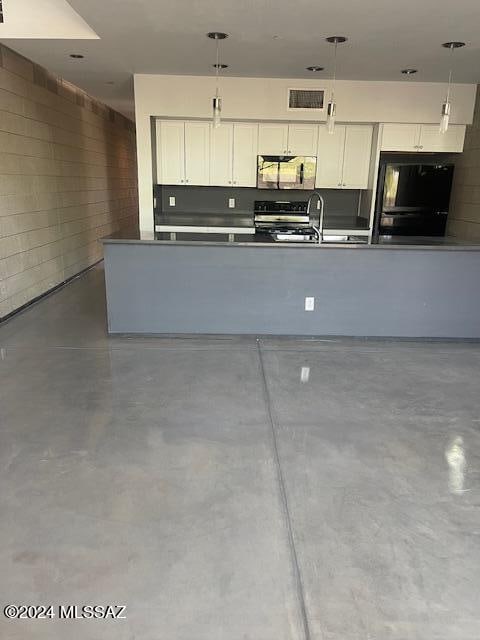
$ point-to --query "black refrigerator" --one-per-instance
(412, 199)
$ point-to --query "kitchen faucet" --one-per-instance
(318, 230)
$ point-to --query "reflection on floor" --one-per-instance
(234, 489)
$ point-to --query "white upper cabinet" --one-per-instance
(343, 159)
(272, 139)
(400, 137)
(331, 148)
(233, 155)
(245, 147)
(170, 152)
(356, 158)
(287, 139)
(221, 155)
(302, 139)
(422, 137)
(183, 152)
(197, 153)
(432, 140)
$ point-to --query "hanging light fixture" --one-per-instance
(331, 106)
(217, 100)
(447, 106)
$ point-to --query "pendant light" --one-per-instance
(217, 100)
(446, 106)
(331, 106)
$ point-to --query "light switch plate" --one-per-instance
(231, 203)
(309, 304)
(172, 201)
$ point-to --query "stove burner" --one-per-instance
(284, 221)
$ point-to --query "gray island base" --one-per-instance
(175, 287)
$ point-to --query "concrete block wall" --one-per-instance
(464, 216)
(67, 177)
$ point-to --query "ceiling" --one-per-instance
(45, 19)
(268, 38)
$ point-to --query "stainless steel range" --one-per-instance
(284, 221)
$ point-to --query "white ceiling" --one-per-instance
(45, 19)
(268, 38)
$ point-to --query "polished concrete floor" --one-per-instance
(235, 489)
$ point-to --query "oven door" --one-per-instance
(286, 172)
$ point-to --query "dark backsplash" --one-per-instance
(214, 200)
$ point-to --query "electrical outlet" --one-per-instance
(231, 203)
(309, 304)
(172, 201)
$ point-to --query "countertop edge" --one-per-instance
(292, 245)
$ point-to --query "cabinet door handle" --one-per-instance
(234, 182)
(344, 184)
(229, 182)
(421, 146)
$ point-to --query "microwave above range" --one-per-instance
(286, 172)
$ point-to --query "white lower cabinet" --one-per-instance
(422, 137)
(343, 159)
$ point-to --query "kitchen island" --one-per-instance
(246, 286)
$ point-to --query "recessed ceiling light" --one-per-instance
(220, 66)
(217, 35)
(76, 56)
(453, 45)
(336, 39)
(409, 72)
(315, 67)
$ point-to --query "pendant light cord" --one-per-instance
(217, 66)
(334, 70)
(450, 74)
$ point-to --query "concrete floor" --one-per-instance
(229, 489)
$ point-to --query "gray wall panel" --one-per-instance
(260, 290)
(202, 200)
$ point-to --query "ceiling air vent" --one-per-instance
(305, 99)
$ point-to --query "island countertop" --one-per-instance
(134, 236)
